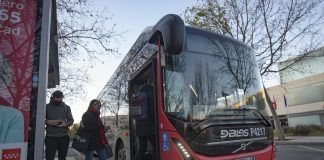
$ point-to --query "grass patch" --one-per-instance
(302, 130)
(318, 133)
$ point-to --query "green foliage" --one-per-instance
(301, 130)
(73, 130)
(316, 128)
(287, 129)
(209, 15)
(304, 130)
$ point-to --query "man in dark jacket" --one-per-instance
(145, 129)
(58, 120)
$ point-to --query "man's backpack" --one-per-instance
(139, 106)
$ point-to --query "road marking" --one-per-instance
(311, 148)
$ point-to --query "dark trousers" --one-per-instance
(53, 144)
(143, 146)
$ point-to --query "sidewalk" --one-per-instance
(301, 140)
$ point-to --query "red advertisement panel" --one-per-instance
(11, 154)
(17, 35)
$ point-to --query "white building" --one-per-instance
(300, 96)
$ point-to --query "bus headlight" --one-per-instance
(185, 154)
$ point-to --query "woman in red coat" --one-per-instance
(92, 124)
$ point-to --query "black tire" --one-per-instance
(120, 153)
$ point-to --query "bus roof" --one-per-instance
(139, 43)
(208, 33)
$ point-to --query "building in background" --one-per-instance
(300, 96)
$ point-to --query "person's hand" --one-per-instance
(53, 122)
(61, 124)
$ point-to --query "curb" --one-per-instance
(297, 143)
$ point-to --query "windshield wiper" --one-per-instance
(210, 117)
(259, 113)
(199, 124)
(263, 117)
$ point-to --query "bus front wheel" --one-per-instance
(121, 153)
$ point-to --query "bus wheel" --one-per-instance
(121, 153)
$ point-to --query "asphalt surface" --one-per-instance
(294, 148)
(300, 152)
(284, 152)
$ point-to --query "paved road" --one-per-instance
(300, 152)
(284, 152)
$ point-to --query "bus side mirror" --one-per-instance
(172, 30)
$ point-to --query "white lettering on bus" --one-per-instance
(236, 133)
(257, 131)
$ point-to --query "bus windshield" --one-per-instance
(213, 76)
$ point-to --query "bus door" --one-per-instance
(142, 113)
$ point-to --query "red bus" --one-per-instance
(209, 101)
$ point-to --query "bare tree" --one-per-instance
(114, 98)
(83, 34)
(273, 28)
(241, 70)
(174, 99)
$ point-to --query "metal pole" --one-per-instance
(276, 121)
(43, 77)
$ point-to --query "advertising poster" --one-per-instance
(17, 36)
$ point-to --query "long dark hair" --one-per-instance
(92, 102)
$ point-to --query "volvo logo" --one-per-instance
(243, 147)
